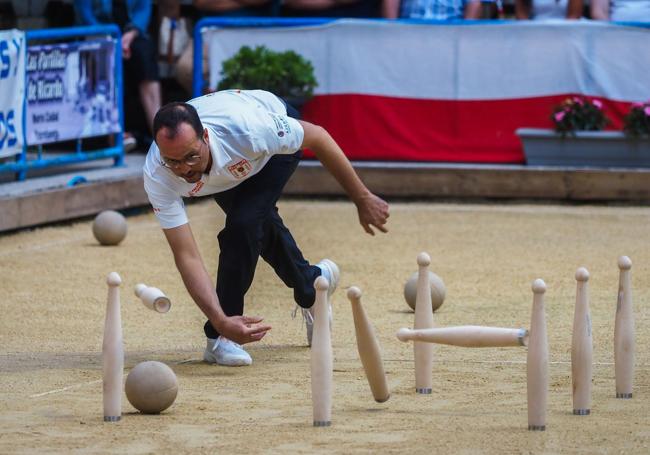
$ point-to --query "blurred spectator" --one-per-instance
(548, 9)
(621, 10)
(36, 14)
(7, 16)
(433, 9)
(174, 35)
(184, 65)
(332, 8)
(492, 9)
(174, 28)
(59, 13)
(141, 79)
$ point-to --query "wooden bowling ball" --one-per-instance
(109, 227)
(151, 387)
(437, 286)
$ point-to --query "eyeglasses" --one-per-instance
(189, 160)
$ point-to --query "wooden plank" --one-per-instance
(70, 203)
(499, 182)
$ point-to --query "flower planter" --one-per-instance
(545, 147)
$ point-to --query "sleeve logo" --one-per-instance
(281, 124)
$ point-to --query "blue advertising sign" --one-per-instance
(12, 91)
(71, 91)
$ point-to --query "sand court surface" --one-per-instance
(53, 302)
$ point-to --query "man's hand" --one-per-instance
(127, 39)
(373, 211)
(243, 329)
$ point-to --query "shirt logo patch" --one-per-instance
(196, 188)
(240, 169)
(281, 124)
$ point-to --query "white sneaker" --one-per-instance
(223, 351)
(330, 271)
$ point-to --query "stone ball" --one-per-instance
(109, 227)
(151, 387)
(437, 286)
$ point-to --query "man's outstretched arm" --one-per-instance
(241, 329)
(373, 211)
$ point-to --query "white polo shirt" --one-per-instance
(246, 128)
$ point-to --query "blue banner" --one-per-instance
(71, 91)
(12, 91)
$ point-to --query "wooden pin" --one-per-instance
(624, 332)
(581, 347)
(153, 298)
(113, 352)
(537, 361)
(468, 336)
(368, 346)
(321, 357)
(423, 352)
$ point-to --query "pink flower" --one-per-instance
(598, 104)
(578, 100)
(647, 111)
(637, 104)
(559, 116)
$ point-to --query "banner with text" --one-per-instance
(71, 91)
(12, 91)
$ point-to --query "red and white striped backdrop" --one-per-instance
(456, 93)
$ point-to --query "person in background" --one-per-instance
(548, 9)
(432, 9)
(620, 10)
(226, 8)
(174, 35)
(141, 80)
(332, 8)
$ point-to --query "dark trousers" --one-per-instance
(253, 229)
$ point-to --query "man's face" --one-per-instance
(186, 155)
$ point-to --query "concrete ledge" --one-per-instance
(48, 198)
(70, 203)
(25, 208)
